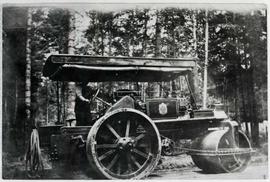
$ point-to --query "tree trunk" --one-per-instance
(173, 44)
(135, 27)
(206, 61)
(197, 98)
(253, 47)
(254, 119)
(128, 53)
(158, 87)
(71, 85)
(28, 70)
(158, 36)
(237, 81)
(110, 41)
(102, 39)
(28, 123)
(195, 33)
(174, 54)
(236, 100)
(242, 91)
(145, 34)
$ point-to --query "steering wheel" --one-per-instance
(96, 94)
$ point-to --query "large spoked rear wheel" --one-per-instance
(123, 144)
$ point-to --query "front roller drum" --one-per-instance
(217, 161)
(123, 144)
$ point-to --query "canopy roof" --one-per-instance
(77, 68)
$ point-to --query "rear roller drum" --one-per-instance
(218, 161)
(124, 144)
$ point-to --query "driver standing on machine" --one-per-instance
(84, 96)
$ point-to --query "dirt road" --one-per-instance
(253, 171)
(257, 169)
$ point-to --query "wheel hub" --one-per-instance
(125, 143)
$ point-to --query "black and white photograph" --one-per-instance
(135, 91)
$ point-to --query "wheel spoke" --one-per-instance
(142, 145)
(237, 162)
(140, 137)
(113, 131)
(136, 162)
(129, 170)
(129, 167)
(140, 153)
(113, 161)
(106, 146)
(104, 137)
(107, 154)
(127, 128)
(119, 168)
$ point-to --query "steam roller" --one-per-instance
(221, 151)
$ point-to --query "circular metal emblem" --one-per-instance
(162, 109)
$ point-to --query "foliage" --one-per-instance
(49, 34)
(237, 44)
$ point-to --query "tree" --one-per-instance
(206, 61)
(49, 33)
(71, 85)
(232, 42)
(28, 72)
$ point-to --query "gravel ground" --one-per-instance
(13, 167)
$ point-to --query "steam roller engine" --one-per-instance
(129, 136)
